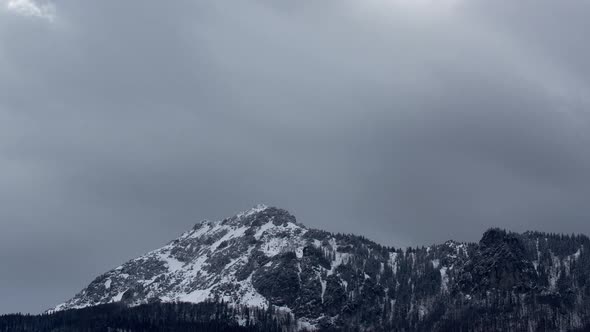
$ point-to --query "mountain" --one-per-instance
(530, 282)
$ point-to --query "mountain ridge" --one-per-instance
(263, 257)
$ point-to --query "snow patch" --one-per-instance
(444, 279)
(258, 208)
(323, 282)
(436, 263)
(172, 263)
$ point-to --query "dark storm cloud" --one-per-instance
(410, 122)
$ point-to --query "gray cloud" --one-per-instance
(123, 123)
(29, 8)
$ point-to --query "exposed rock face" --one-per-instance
(499, 263)
(263, 256)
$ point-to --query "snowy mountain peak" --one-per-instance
(254, 210)
(262, 214)
(214, 260)
(263, 257)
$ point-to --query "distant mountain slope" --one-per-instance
(531, 281)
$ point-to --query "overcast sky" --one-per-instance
(123, 123)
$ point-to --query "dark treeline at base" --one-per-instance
(115, 317)
(220, 317)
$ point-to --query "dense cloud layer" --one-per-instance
(122, 123)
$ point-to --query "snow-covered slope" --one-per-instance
(211, 261)
(263, 257)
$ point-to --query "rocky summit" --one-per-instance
(264, 258)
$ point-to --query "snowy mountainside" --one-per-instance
(264, 257)
(211, 261)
